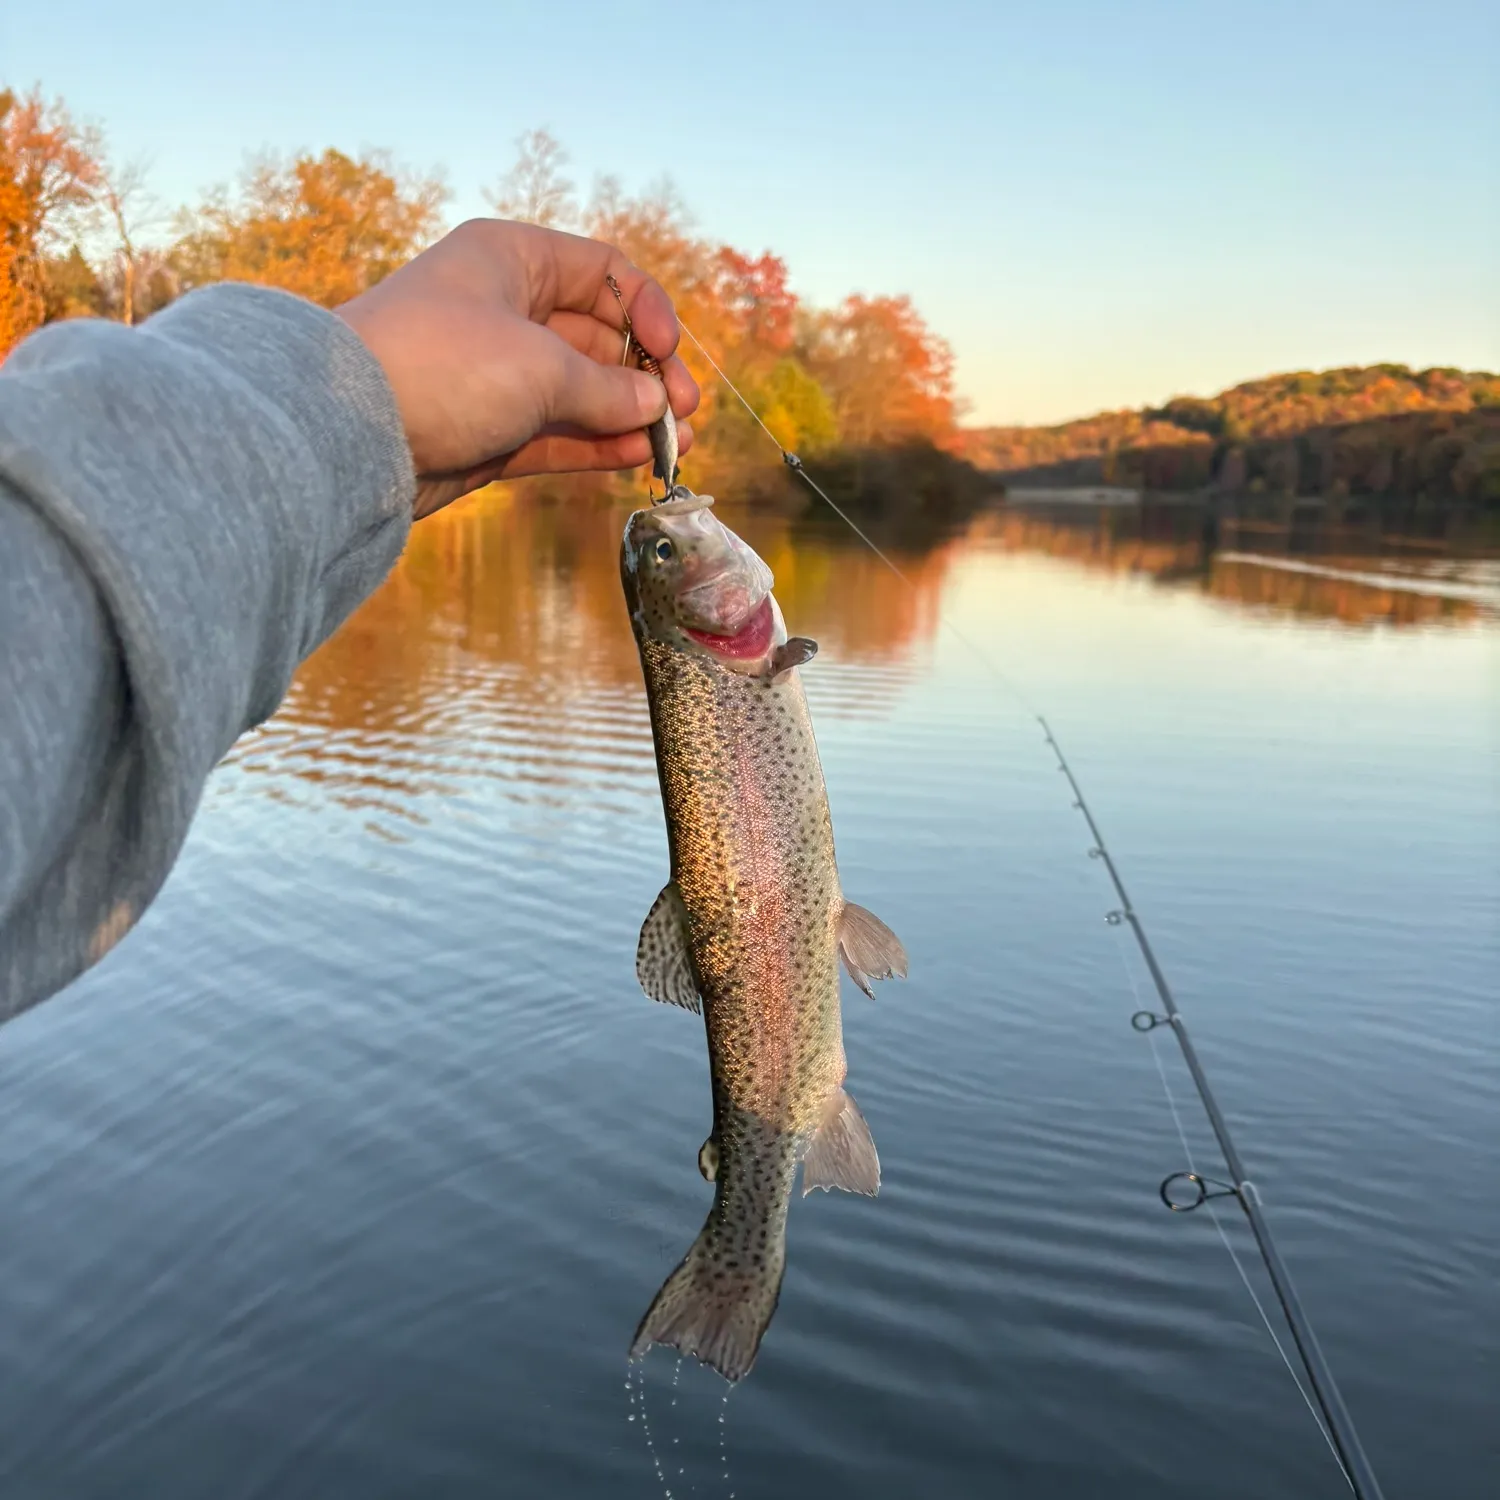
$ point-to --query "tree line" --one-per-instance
(1370, 431)
(866, 386)
(82, 235)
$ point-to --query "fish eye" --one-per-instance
(663, 550)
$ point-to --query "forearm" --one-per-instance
(186, 511)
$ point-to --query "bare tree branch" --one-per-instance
(130, 208)
(534, 189)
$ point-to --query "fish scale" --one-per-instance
(751, 837)
(752, 925)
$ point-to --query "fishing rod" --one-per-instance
(1339, 1429)
(1182, 1192)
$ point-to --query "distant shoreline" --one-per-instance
(1087, 494)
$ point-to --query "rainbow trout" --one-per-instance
(752, 926)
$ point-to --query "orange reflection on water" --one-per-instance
(1098, 539)
(500, 646)
(1350, 601)
(532, 589)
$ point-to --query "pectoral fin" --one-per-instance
(797, 652)
(842, 1153)
(662, 963)
(869, 949)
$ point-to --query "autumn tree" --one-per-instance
(49, 175)
(535, 189)
(795, 407)
(325, 227)
(653, 231)
(18, 310)
(888, 376)
(871, 372)
(757, 318)
(755, 300)
(71, 287)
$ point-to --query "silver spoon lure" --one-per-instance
(663, 432)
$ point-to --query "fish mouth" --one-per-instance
(752, 639)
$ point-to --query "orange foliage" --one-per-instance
(49, 173)
(325, 227)
(890, 378)
(18, 311)
(525, 584)
(755, 300)
(869, 374)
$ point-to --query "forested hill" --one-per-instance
(1376, 429)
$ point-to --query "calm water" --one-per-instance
(352, 1170)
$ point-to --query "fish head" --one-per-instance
(692, 583)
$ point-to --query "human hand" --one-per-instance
(502, 345)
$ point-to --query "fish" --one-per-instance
(752, 926)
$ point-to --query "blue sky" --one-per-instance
(1097, 204)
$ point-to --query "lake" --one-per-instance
(350, 1172)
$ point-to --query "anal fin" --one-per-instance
(662, 961)
(842, 1153)
(868, 948)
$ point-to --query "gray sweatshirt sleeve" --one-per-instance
(187, 509)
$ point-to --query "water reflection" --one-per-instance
(1338, 573)
(504, 623)
(348, 1172)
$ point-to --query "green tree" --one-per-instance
(71, 287)
(795, 407)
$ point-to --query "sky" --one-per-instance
(1098, 204)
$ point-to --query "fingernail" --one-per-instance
(651, 396)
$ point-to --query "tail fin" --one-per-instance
(715, 1306)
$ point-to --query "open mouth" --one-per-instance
(752, 639)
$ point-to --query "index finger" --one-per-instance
(579, 267)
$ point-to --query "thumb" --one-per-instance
(605, 399)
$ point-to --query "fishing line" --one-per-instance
(1325, 1402)
(794, 463)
